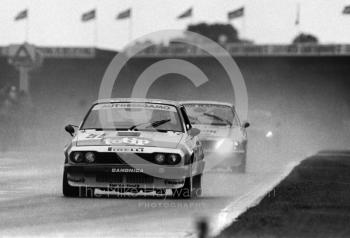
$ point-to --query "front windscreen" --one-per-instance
(133, 116)
(211, 114)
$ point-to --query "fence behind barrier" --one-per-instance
(250, 50)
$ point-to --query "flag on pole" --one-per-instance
(186, 14)
(297, 18)
(124, 14)
(235, 13)
(87, 16)
(21, 15)
(346, 10)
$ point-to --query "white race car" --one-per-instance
(223, 136)
(134, 146)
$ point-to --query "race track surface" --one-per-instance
(32, 204)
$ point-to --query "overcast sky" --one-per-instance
(57, 22)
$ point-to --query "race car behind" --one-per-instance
(223, 136)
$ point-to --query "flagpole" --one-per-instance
(95, 33)
(188, 14)
(297, 21)
(238, 13)
(192, 14)
(26, 31)
(130, 26)
(95, 29)
(26, 37)
(243, 28)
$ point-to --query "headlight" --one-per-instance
(269, 134)
(90, 157)
(225, 146)
(219, 143)
(78, 157)
(160, 158)
(173, 159)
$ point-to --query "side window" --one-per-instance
(185, 117)
(236, 121)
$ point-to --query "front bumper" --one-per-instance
(126, 176)
(226, 161)
(224, 152)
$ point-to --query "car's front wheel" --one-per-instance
(197, 185)
(70, 191)
(192, 188)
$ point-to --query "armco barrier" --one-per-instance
(191, 51)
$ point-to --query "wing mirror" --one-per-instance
(246, 124)
(194, 132)
(70, 129)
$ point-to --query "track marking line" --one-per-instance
(230, 213)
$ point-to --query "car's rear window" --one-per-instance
(211, 114)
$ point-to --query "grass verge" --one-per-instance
(312, 201)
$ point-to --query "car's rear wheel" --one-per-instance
(242, 167)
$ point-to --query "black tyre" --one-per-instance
(192, 188)
(185, 192)
(197, 185)
(242, 167)
(69, 191)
